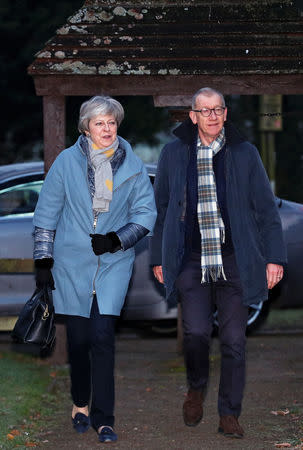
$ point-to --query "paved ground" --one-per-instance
(150, 389)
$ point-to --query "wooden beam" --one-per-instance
(178, 115)
(171, 85)
(54, 128)
(173, 100)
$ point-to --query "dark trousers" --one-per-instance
(91, 349)
(198, 301)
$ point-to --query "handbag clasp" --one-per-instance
(45, 313)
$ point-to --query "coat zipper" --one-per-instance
(94, 228)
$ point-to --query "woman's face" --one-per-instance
(102, 130)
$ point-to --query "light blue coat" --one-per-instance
(65, 205)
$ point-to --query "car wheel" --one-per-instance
(165, 328)
(257, 314)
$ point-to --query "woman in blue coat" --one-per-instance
(95, 204)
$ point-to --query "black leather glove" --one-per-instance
(103, 243)
(43, 273)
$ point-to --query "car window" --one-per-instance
(19, 199)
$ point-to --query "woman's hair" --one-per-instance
(208, 92)
(102, 105)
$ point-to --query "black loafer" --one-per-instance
(81, 422)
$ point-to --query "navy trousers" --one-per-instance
(197, 302)
(91, 350)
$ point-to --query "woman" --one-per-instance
(95, 204)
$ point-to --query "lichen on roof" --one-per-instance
(169, 37)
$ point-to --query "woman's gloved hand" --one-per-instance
(103, 243)
(43, 273)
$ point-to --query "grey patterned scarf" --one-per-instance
(100, 159)
(209, 217)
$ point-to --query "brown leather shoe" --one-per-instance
(230, 427)
(192, 408)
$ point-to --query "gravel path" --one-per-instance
(150, 389)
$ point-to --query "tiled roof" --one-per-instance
(176, 38)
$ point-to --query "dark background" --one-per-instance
(25, 26)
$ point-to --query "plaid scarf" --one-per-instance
(210, 221)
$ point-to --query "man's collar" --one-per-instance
(187, 132)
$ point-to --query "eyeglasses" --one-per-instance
(105, 125)
(206, 112)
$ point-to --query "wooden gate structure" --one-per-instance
(167, 49)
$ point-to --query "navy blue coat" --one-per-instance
(254, 219)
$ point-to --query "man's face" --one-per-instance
(209, 127)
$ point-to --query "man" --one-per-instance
(217, 242)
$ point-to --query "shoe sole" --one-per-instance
(230, 435)
(81, 431)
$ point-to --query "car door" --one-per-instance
(17, 204)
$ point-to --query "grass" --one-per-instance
(26, 399)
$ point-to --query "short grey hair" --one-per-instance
(102, 105)
(208, 92)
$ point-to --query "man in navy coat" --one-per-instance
(217, 242)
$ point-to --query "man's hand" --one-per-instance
(274, 274)
(158, 273)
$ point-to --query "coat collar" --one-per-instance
(117, 159)
(125, 165)
(187, 132)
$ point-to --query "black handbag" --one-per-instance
(36, 322)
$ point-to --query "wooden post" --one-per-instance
(58, 355)
(271, 159)
(269, 123)
(268, 156)
(54, 128)
(54, 143)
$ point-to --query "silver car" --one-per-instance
(20, 185)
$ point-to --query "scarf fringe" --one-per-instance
(212, 273)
